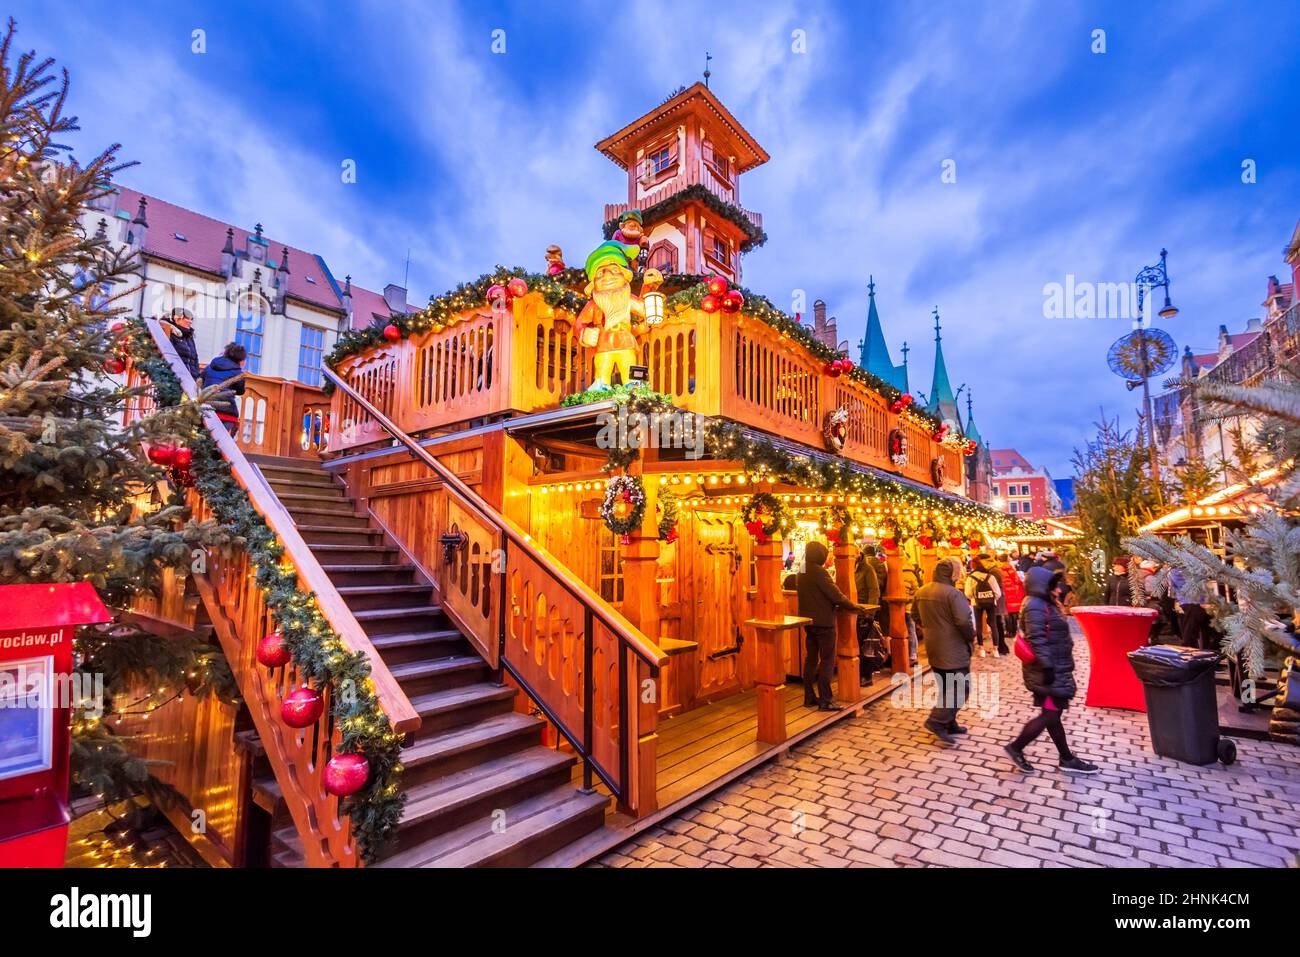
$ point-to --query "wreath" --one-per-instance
(898, 447)
(624, 505)
(836, 523)
(766, 516)
(835, 429)
(668, 512)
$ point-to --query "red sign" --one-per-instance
(37, 694)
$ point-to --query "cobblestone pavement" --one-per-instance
(876, 791)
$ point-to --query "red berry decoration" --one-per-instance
(517, 287)
(496, 292)
(732, 301)
(716, 285)
(271, 651)
(161, 454)
(392, 333)
(709, 303)
(302, 708)
(345, 774)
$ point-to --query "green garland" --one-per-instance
(665, 208)
(670, 513)
(724, 440)
(835, 521)
(639, 400)
(317, 650)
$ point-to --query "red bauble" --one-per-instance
(272, 652)
(345, 774)
(392, 333)
(517, 287)
(832, 369)
(716, 285)
(496, 292)
(117, 327)
(114, 366)
(846, 365)
(709, 303)
(302, 708)
(974, 543)
(889, 544)
(732, 301)
(955, 541)
(161, 454)
(182, 458)
(926, 541)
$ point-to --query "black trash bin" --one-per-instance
(1181, 708)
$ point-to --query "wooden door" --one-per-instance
(711, 570)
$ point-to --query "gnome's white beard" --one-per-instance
(616, 305)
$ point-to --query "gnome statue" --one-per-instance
(613, 317)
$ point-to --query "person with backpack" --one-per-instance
(1013, 594)
(984, 591)
(949, 634)
(227, 368)
(1048, 671)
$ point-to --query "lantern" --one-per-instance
(654, 307)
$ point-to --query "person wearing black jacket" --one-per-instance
(180, 327)
(1119, 591)
(223, 369)
(1050, 675)
(819, 599)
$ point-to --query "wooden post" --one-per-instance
(895, 599)
(641, 608)
(847, 663)
(770, 625)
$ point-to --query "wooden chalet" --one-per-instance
(442, 507)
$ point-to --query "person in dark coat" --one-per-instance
(1050, 675)
(819, 599)
(224, 368)
(949, 635)
(1118, 589)
(180, 327)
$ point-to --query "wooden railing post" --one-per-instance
(895, 601)
(770, 624)
(847, 663)
(641, 608)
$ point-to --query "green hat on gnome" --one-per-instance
(607, 253)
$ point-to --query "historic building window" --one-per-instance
(311, 346)
(611, 567)
(248, 331)
(663, 256)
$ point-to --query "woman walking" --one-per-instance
(1013, 592)
(1049, 674)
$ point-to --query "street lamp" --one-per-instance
(1151, 277)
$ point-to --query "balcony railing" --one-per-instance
(694, 174)
(526, 358)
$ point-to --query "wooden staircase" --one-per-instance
(481, 789)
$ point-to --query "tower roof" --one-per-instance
(875, 356)
(972, 430)
(696, 99)
(942, 401)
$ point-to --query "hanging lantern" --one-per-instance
(654, 307)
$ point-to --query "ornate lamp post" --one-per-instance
(1151, 277)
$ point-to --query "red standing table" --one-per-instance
(1112, 632)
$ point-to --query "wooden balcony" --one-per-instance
(526, 359)
(694, 174)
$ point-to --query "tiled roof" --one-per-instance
(204, 238)
(1009, 459)
(367, 306)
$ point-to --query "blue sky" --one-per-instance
(1067, 161)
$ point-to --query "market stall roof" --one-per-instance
(1233, 503)
(1056, 531)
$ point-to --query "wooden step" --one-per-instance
(457, 707)
(355, 554)
(345, 575)
(326, 534)
(401, 647)
(285, 461)
(286, 848)
(291, 495)
(268, 796)
(533, 828)
(459, 748)
(444, 804)
(328, 516)
(439, 674)
(378, 597)
(292, 473)
(390, 621)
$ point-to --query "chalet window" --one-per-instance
(663, 256)
(248, 332)
(611, 567)
(311, 346)
(718, 163)
(660, 160)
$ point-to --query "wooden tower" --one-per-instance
(684, 160)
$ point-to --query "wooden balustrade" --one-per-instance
(240, 617)
(527, 359)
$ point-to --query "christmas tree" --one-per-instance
(79, 500)
(1260, 617)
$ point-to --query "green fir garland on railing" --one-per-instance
(665, 208)
(317, 651)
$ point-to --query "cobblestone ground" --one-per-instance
(876, 791)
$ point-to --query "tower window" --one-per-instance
(658, 161)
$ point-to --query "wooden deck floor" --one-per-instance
(706, 748)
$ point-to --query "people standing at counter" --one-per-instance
(819, 599)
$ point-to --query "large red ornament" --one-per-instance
(272, 652)
(926, 541)
(732, 301)
(161, 454)
(832, 369)
(182, 458)
(392, 333)
(114, 366)
(496, 292)
(709, 303)
(955, 541)
(517, 287)
(716, 285)
(974, 543)
(889, 544)
(302, 708)
(345, 774)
